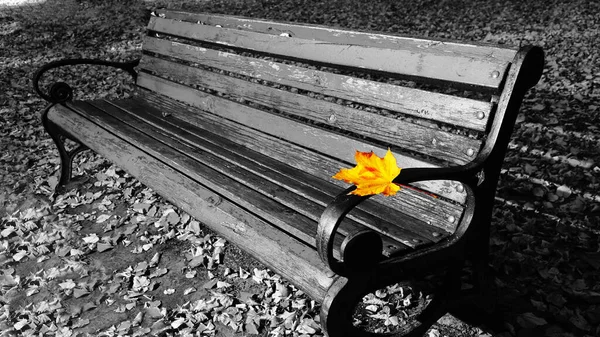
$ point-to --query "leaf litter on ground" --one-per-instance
(68, 257)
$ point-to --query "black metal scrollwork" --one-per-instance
(61, 92)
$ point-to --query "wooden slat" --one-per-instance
(412, 233)
(329, 143)
(282, 253)
(436, 59)
(449, 109)
(339, 35)
(433, 142)
(208, 174)
(416, 204)
(332, 144)
(204, 164)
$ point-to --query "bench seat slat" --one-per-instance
(261, 194)
(329, 143)
(252, 234)
(421, 61)
(412, 233)
(202, 165)
(424, 104)
(416, 204)
(278, 214)
(436, 143)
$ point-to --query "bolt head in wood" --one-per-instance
(495, 74)
(451, 219)
(470, 152)
(332, 119)
(435, 234)
(480, 115)
(460, 188)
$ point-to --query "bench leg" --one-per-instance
(479, 255)
(478, 305)
(344, 294)
(59, 137)
(482, 279)
(481, 269)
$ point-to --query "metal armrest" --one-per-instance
(60, 91)
(365, 251)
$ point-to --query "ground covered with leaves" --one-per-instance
(109, 257)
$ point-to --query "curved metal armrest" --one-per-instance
(61, 92)
(344, 202)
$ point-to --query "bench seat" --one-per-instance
(231, 166)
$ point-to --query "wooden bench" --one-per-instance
(242, 123)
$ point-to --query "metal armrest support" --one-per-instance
(62, 92)
(345, 202)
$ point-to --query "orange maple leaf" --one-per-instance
(372, 174)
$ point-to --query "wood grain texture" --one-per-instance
(416, 204)
(410, 63)
(210, 174)
(281, 252)
(470, 63)
(326, 142)
(411, 232)
(340, 35)
(289, 211)
(449, 109)
(429, 141)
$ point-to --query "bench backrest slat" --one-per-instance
(327, 142)
(438, 60)
(468, 113)
(436, 143)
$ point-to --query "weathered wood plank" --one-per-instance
(416, 204)
(472, 50)
(414, 63)
(197, 160)
(210, 175)
(340, 35)
(432, 142)
(327, 142)
(332, 144)
(449, 109)
(412, 232)
(280, 252)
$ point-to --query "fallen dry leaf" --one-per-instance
(372, 174)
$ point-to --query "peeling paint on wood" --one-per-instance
(443, 108)
(431, 64)
(450, 147)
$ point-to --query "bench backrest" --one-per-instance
(434, 103)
